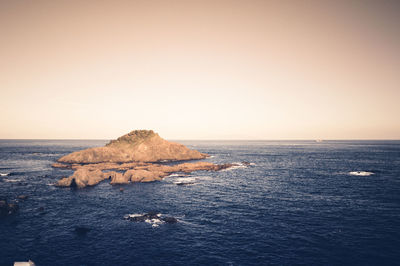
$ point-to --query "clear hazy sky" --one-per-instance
(200, 69)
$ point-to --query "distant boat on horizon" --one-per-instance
(318, 140)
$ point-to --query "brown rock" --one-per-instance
(144, 175)
(118, 178)
(136, 146)
(83, 177)
(61, 165)
(199, 166)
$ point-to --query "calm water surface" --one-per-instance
(297, 204)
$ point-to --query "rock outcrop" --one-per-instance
(136, 146)
(152, 217)
(131, 158)
(83, 177)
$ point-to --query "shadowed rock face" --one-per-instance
(136, 146)
(131, 157)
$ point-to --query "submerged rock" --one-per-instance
(170, 220)
(184, 183)
(81, 230)
(22, 197)
(7, 208)
(153, 218)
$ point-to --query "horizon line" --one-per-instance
(317, 139)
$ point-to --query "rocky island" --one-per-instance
(138, 156)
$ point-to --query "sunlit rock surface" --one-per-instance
(136, 146)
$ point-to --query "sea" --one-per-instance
(286, 203)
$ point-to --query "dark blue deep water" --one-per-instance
(297, 204)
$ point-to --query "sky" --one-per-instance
(200, 69)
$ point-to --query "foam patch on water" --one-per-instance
(138, 215)
(203, 177)
(175, 175)
(191, 180)
(185, 180)
(11, 180)
(361, 173)
(4, 174)
(239, 165)
(132, 215)
(153, 222)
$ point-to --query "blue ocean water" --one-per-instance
(298, 203)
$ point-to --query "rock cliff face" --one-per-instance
(132, 159)
(136, 146)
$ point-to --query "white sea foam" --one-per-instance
(361, 173)
(175, 175)
(185, 180)
(191, 180)
(11, 180)
(154, 222)
(133, 215)
(205, 177)
(236, 166)
(4, 174)
(239, 165)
